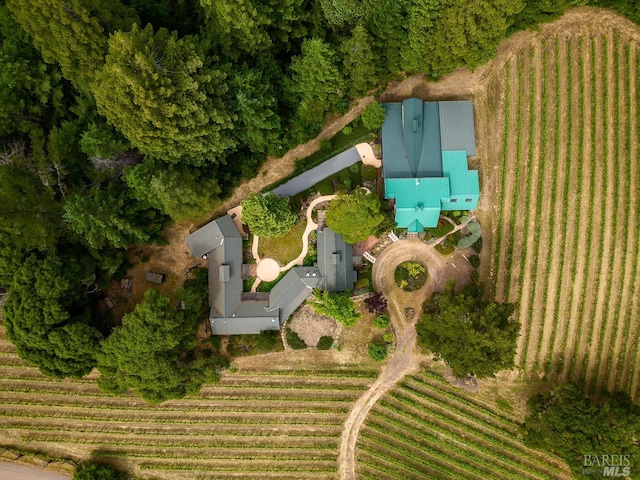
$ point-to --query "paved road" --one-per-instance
(11, 471)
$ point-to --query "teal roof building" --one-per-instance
(425, 146)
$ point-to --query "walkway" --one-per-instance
(405, 360)
(311, 226)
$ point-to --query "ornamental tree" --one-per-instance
(472, 335)
(355, 215)
(268, 215)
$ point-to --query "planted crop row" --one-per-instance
(450, 431)
(506, 132)
(533, 119)
(443, 450)
(420, 458)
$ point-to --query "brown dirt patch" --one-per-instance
(310, 326)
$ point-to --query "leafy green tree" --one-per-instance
(445, 34)
(97, 471)
(148, 353)
(30, 213)
(238, 26)
(46, 318)
(472, 335)
(161, 92)
(109, 217)
(373, 116)
(337, 305)
(566, 423)
(360, 65)
(268, 215)
(355, 215)
(180, 191)
(317, 83)
(73, 33)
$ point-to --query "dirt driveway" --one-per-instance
(405, 359)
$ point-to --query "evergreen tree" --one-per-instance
(471, 334)
(45, 316)
(161, 93)
(73, 33)
(237, 26)
(30, 90)
(359, 62)
(109, 217)
(30, 214)
(147, 353)
(258, 124)
(180, 191)
(317, 83)
(446, 34)
(341, 13)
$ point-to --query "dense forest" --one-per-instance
(120, 116)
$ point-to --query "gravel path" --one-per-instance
(405, 359)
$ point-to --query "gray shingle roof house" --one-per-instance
(234, 312)
(335, 261)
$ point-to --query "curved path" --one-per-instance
(405, 359)
(299, 260)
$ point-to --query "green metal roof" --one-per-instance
(462, 181)
(417, 199)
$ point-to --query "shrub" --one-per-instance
(294, 340)
(325, 343)
(410, 276)
(474, 260)
(362, 283)
(377, 351)
(381, 321)
(388, 337)
(347, 130)
(369, 172)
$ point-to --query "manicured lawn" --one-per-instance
(284, 249)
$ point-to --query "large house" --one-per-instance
(234, 312)
(425, 146)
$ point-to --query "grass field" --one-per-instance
(251, 425)
(566, 246)
(425, 428)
